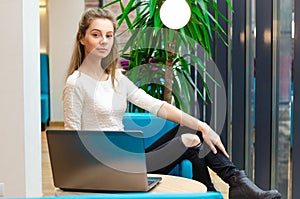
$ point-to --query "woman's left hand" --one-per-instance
(213, 140)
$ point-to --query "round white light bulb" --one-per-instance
(175, 14)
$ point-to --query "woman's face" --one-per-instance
(99, 38)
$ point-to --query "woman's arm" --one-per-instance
(167, 111)
(72, 106)
(170, 112)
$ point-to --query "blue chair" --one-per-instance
(154, 127)
(207, 195)
(45, 94)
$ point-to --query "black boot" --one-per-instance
(241, 187)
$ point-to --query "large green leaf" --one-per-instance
(152, 7)
(205, 14)
(126, 11)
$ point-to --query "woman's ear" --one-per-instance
(82, 41)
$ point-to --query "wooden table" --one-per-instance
(171, 184)
(168, 184)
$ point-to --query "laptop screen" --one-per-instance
(98, 160)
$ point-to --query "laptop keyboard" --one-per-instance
(150, 182)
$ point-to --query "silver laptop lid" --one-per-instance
(98, 160)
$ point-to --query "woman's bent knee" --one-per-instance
(190, 140)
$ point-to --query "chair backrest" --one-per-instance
(153, 127)
(44, 73)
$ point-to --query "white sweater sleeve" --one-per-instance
(140, 98)
(72, 105)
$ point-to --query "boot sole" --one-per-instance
(274, 197)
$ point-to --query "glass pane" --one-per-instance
(284, 67)
(250, 91)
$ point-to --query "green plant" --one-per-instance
(152, 45)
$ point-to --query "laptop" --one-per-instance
(99, 161)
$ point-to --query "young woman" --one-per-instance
(95, 98)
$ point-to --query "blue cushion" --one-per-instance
(186, 169)
(44, 73)
(45, 110)
(206, 195)
(44, 81)
(153, 128)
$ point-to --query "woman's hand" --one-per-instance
(211, 138)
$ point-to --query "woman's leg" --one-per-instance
(220, 164)
(163, 139)
(200, 170)
(170, 147)
(240, 185)
(165, 157)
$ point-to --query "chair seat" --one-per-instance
(45, 107)
(153, 128)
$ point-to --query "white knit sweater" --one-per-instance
(89, 104)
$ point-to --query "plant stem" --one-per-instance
(168, 80)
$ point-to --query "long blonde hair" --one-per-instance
(108, 63)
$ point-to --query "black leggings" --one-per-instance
(168, 151)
